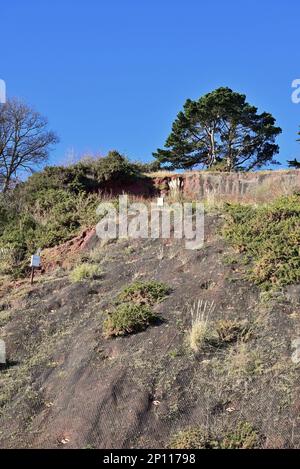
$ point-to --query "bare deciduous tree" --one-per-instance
(24, 141)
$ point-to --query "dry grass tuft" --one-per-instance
(86, 272)
(229, 330)
(200, 332)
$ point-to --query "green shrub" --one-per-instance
(144, 292)
(52, 217)
(244, 436)
(152, 167)
(133, 308)
(114, 167)
(193, 438)
(62, 215)
(71, 178)
(128, 318)
(219, 166)
(84, 176)
(269, 238)
(85, 272)
(9, 259)
(54, 205)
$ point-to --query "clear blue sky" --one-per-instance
(113, 74)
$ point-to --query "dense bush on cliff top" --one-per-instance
(85, 176)
(55, 204)
(269, 238)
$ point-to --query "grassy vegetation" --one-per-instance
(85, 271)
(244, 436)
(128, 318)
(204, 333)
(200, 332)
(193, 438)
(207, 332)
(198, 335)
(133, 311)
(269, 238)
(54, 205)
(144, 292)
(48, 218)
(96, 255)
(230, 331)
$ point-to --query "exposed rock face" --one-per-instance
(64, 254)
(142, 187)
(260, 185)
(199, 184)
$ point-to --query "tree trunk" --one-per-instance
(6, 184)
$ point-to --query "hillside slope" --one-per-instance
(68, 386)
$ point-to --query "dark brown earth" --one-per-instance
(66, 386)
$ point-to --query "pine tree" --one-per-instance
(222, 129)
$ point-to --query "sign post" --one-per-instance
(35, 263)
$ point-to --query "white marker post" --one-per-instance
(35, 263)
(2, 352)
(160, 201)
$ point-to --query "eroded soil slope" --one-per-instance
(67, 386)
